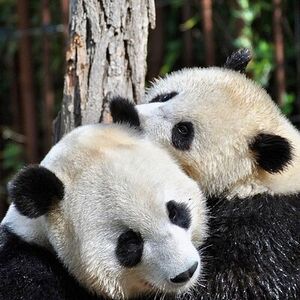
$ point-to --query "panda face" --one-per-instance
(128, 220)
(212, 121)
(129, 240)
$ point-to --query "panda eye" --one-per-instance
(129, 248)
(183, 129)
(179, 214)
(163, 97)
(183, 135)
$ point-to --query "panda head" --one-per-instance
(224, 130)
(120, 214)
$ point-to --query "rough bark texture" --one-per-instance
(106, 56)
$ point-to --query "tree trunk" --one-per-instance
(64, 6)
(106, 56)
(48, 93)
(279, 51)
(188, 53)
(26, 83)
(208, 32)
(297, 45)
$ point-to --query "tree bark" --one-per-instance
(106, 56)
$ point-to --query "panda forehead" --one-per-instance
(207, 85)
(156, 189)
(190, 84)
(127, 206)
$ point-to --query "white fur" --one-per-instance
(227, 110)
(31, 230)
(116, 180)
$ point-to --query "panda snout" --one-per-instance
(186, 275)
(148, 110)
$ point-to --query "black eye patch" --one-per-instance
(129, 249)
(183, 135)
(179, 214)
(163, 97)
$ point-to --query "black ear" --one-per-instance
(34, 189)
(273, 152)
(123, 111)
(238, 60)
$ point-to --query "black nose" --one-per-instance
(185, 276)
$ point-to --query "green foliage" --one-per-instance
(173, 53)
(262, 64)
(248, 12)
(190, 23)
(237, 24)
(12, 157)
(173, 43)
(288, 103)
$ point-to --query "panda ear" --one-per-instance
(238, 60)
(272, 152)
(34, 189)
(123, 111)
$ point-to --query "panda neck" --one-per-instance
(287, 182)
(30, 230)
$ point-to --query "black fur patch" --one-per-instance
(252, 251)
(28, 271)
(129, 249)
(123, 111)
(163, 97)
(273, 152)
(238, 60)
(179, 214)
(34, 190)
(183, 135)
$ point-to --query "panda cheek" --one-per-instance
(129, 249)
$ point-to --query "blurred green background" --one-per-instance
(33, 38)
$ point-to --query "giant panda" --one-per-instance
(225, 131)
(107, 214)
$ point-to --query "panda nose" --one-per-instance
(185, 276)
